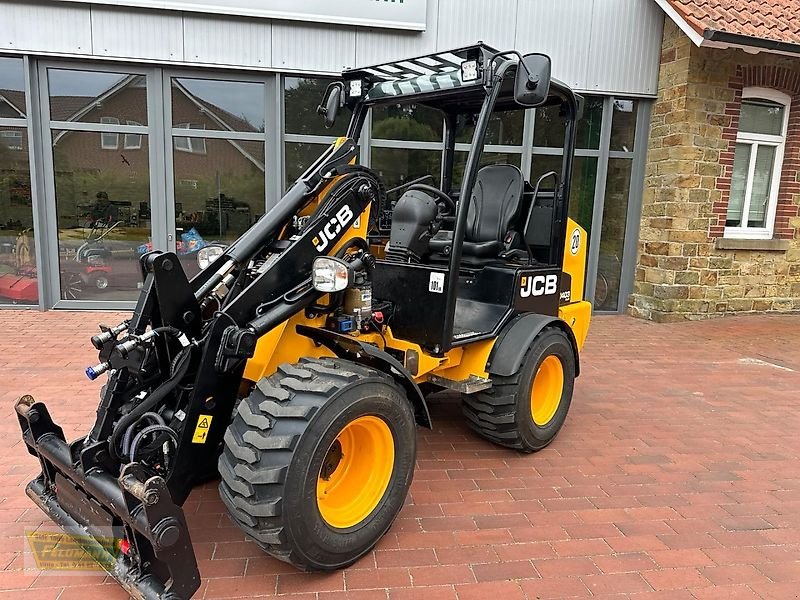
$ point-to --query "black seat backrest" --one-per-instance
(495, 202)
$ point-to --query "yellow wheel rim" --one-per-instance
(548, 385)
(356, 472)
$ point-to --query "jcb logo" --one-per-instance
(332, 228)
(540, 285)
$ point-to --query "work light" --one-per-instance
(469, 70)
(329, 274)
(354, 88)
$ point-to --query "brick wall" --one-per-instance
(684, 271)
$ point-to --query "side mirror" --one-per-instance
(532, 84)
(331, 103)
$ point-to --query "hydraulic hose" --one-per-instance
(126, 439)
(147, 431)
(151, 401)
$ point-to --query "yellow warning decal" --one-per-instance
(201, 431)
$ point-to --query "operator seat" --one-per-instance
(496, 199)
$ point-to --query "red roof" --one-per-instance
(777, 20)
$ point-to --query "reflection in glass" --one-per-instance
(301, 98)
(762, 184)
(12, 88)
(397, 166)
(17, 253)
(103, 216)
(97, 97)
(612, 236)
(761, 116)
(550, 127)
(407, 122)
(220, 105)
(504, 128)
(298, 157)
(584, 177)
(623, 124)
(218, 195)
(741, 166)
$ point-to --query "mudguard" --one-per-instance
(517, 336)
(345, 346)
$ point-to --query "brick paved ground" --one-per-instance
(676, 476)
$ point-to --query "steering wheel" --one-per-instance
(450, 206)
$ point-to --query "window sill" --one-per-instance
(772, 245)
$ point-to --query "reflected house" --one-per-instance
(90, 163)
(15, 185)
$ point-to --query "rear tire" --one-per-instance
(301, 434)
(512, 413)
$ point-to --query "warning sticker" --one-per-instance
(201, 431)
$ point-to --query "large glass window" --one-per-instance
(305, 134)
(101, 181)
(399, 165)
(18, 272)
(97, 97)
(103, 211)
(550, 127)
(221, 105)
(612, 236)
(757, 163)
(548, 140)
(219, 182)
(407, 122)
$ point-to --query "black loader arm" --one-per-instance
(174, 372)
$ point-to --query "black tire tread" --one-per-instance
(265, 428)
(492, 413)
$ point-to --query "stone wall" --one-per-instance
(686, 269)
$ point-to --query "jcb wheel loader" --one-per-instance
(292, 365)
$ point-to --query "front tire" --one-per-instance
(527, 410)
(318, 460)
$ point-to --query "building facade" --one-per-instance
(720, 231)
(125, 128)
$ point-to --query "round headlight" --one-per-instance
(329, 274)
(207, 255)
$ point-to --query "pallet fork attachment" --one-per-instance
(150, 553)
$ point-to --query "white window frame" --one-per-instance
(132, 141)
(9, 135)
(108, 139)
(192, 145)
(754, 140)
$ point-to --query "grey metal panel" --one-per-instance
(597, 45)
(463, 22)
(227, 41)
(137, 33)
(625, 47)
(374, 46)
(391, 14)
(323, 49)
(47, 27)
(562, 30)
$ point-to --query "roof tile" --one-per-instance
(777, 20)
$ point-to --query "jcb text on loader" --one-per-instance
(292, 364)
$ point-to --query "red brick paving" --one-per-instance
(676, 476)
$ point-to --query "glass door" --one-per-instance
(99, 130)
